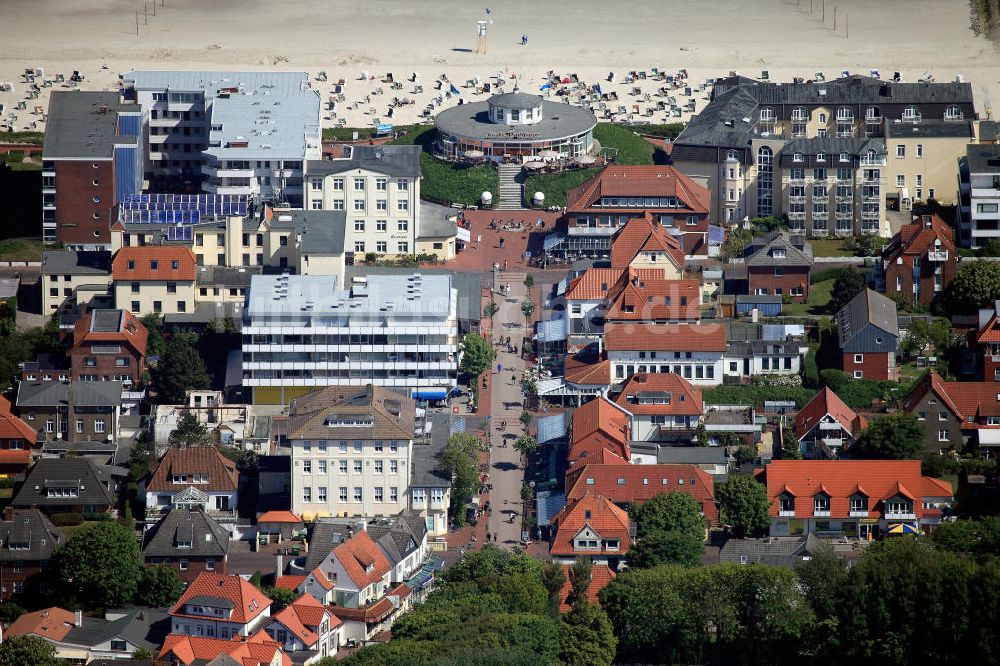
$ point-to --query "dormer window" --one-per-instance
(183, 543)
(786, 504)
(821, 505)
(859, 504)
(845, 157)
(797, 157)
(779, 253)
(821, 157)
(953, 112)
(911, 113)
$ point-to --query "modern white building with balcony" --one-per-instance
(246, 133)
(979, 195)
(301, 332)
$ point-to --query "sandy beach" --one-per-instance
(589, 38)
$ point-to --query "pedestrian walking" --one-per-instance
(499, 368)
(488, 536)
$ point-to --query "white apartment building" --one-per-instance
(979, 195)
(352, 451)
(379, 189)
(302, 332)
(246, 133)
(692, 351)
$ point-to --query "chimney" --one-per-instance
(279, 566)
(78, 619)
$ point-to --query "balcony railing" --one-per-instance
(938, 255)
(797, 215)
(786, 513)
(858, 513)
(870, 214)
(821, 513)
(868, 161)
(796, 200)
(900, 515)
(844, 215)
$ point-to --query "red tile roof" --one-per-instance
(602, 417)
(644, 299)
(221, 471)
(600, 514)
(15, 457)
(645, 181)
(918, 237)
(362, 560)
(136, 264)
(664, 337)
(291, 621)
(596, 284)
(826, 403)
(12, 427)
(279, 517)
(257, 650)
(627, 484)
(878, 479)
(321, 578)
(975, 400)
(685, 400)
(311, 612)
(287, 582)
(52, 623)
(585, 370)
(248, 602)
(600, 576)
(643, 234)
(130, 331)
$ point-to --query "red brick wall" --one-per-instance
(105, 363)
(195, 567)
(874, 366)
(904, 272)
(764, 278)
(75, 206)
(24, 576)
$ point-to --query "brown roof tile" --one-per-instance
(643, 234)
(664, 337)
(645, 181)
(153, 263)
(362, 559)
(600, 513)
(827, 402)
(221, 471)
(392, 414)
(685, 399)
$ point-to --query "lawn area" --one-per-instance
(664, 131)
(632, 149)
(447, 181)
(819, 297)
(70, 530)
(830, 247)
(34, 138)
(15, 159)
(21, 249)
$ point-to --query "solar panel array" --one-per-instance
(160, 216)
(206, 204)
(179, 233)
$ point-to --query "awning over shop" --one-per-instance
(549, 503)
(551, 427)
(989, 437)
(463, 234)
(553, 241)
(554, 330)
(549, 386)
(430, 394)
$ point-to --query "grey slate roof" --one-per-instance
(68, 262)
(851, 90)
(709, 128)
(79, 448)
(798, 251)
(226, 276)
(323, 538)
(774, 551)
(515, 100)
(691, 455)
(427, 472)
(398, 537)
(95, 483)
(207, 537)
(215, 602)
(558, 121)
(392, 160)
(79, 394)
(469, 285)
(932, 129)
(758, 298)
(434, 222)
(867, 308)
(106, 321)
(145, 627)
(28, 536)
(983, 158)
(831, 147)
(82, 125)
(988, 130)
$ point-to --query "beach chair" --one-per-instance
(675, 112)
(622, 109)
(875, 74)
(844, 73)
(642, 75)
(820, 76)
(417, 90)
(765, 75)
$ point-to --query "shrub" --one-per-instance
(66, 519)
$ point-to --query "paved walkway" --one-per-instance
(506, 471)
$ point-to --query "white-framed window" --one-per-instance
(357, 494)
(359, 184)
(322, 467)
(379, 494)
(343, 467)
(859, 358)
(419, 495)
(859, 374)
(900, 180)
(359, 246)
(403, 204)
(357, 467)
(393, 466)
(379, 468)
(403, 225)
(338, 183)
(381, 184)
(381, 205)
(403, 247)
(307, 493)
(316, 183)
(99, 425)
(338, 204)
(900, 150)
(359, 225)
(307, 467)
(343, 493)
(380, 246)
(380, 225)
(321, 494)
(944, 435)
(402, 184)
(359, 204)
(393, 494)
(316, 204)
(920, 150)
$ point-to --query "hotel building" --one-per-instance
(735, 145)
(304, 332)
(979, 195)
(247, 133)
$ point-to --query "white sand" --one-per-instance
(434, 37)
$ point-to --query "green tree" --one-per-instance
(159, 587)
(155, 342)
(99, 567)
(10, 612)
(744, 505)
(744, 454)
(580, 578)
(484, 567)
(460, 459)
(976, 285)
(526, 445)
(477, 354)
(737, 241)
(701, 434)
(527, 309)
(525, 418)
(822, 577)
(897, 436)
(921, 334)
(869, 245)
(280, 596)
(180, 369)
(143, 654)
(669, 512)
(658, 548)
(28, 650)
(246, 460)
(190, 432)
(586, 637)
(529, 281)
(790, 445)
(490, 310)
(849, 283)
(977, 537)
(553, 579)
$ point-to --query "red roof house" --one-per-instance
(108, 345)
(257, 650)
(600, 576)
(663, 406)
(826, 425)
(643, 243)
(597, 426)
(591, 526)
(857, 497)
(926, 250)
(16, 440)
(225, 603)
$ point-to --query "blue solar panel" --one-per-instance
(180, 208)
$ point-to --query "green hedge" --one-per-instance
(66, 519)
(756, 395)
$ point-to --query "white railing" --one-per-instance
(785, 513)
(858, 513)
(899, 515)
(821, 514)
(867, 161)
(937, 255)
